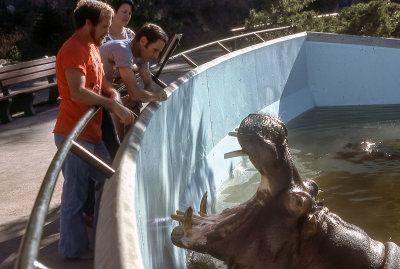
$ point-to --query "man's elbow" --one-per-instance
(75, 96)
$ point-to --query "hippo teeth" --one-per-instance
(187, 217)
(236, 153)
(235, 134)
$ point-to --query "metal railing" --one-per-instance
(30, 243)
(219, 43)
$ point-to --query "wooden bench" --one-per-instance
(18, 88)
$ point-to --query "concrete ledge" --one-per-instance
(354, 40)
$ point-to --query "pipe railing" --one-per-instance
(219, 43)
(29, 248)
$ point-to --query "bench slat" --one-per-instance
(32, 63)
(21, 99)
(28, 90)
(25, 78)
(25, 71)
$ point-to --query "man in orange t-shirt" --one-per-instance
(81, 85)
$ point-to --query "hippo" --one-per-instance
(370, 150)
(283, 225)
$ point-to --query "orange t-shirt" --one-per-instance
(75, 54)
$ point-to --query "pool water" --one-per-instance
(353, 153)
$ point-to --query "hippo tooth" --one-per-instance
(235, 153)
(194, 217)
(187, 221)
(196, 220)
(177, 217)
(203, 205)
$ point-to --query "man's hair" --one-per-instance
(91, 10)
(152, 32)
(116, 4)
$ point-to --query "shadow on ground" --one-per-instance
(10, 239)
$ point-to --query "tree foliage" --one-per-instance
(276, 12)
(375, 18)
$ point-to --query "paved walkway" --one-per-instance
(26, 150)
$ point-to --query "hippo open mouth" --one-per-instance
(282, 225)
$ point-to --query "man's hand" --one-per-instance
(124, 114)
(116, 97)
(162, 96)
(128, 102)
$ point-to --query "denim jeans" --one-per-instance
(110, 136)
(74, 240)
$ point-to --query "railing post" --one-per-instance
(259, 37)
(92, 160)
(234, 41)
(223, 47)
(159, 82)
(188, 60)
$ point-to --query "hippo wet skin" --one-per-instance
(282, 225)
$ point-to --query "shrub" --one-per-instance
(376, 18)
(9, 46)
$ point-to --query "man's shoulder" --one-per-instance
(116, 44)
(72, 46)
(118, 50)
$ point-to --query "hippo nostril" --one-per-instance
(299, 202)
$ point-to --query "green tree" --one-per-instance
(276, 12)
(376, 18)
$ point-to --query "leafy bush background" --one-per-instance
(39, 27)
(374, 18)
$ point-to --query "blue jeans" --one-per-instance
(110, 136)
(74, 240)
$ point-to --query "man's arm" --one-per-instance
(136, 93)
(109, 91)
(146, 79)
(76, 83)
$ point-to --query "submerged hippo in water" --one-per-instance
(282, 225)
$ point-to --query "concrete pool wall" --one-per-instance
(175, 151)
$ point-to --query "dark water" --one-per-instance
(353, 153)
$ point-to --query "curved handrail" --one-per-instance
(229, 39)
(29, 247)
